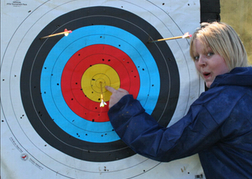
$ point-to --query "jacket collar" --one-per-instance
(239, 76)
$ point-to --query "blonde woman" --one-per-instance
(218, 125)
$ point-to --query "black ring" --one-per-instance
(38, 51)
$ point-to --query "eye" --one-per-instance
(209, 54)
(196, 58)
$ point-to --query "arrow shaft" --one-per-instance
(56, 34)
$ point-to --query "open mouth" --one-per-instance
(206, 75)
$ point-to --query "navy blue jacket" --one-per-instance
(218, 126)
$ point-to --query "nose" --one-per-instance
(202, 61)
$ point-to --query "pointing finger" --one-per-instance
(111, 89)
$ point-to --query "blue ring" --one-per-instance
(97, 132)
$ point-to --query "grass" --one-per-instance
(238, 14)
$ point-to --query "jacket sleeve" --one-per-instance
(145, 136)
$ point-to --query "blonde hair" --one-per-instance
(223, 40)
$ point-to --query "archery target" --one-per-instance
(54, 85)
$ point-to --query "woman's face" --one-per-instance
(208, 64)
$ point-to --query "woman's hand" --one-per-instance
(116, 95)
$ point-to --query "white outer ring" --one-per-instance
(22, 130)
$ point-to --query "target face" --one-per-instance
(62, 83)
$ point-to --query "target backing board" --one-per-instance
(53, 124)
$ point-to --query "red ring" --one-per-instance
(80, 62)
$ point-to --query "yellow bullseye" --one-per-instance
(96, 76)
